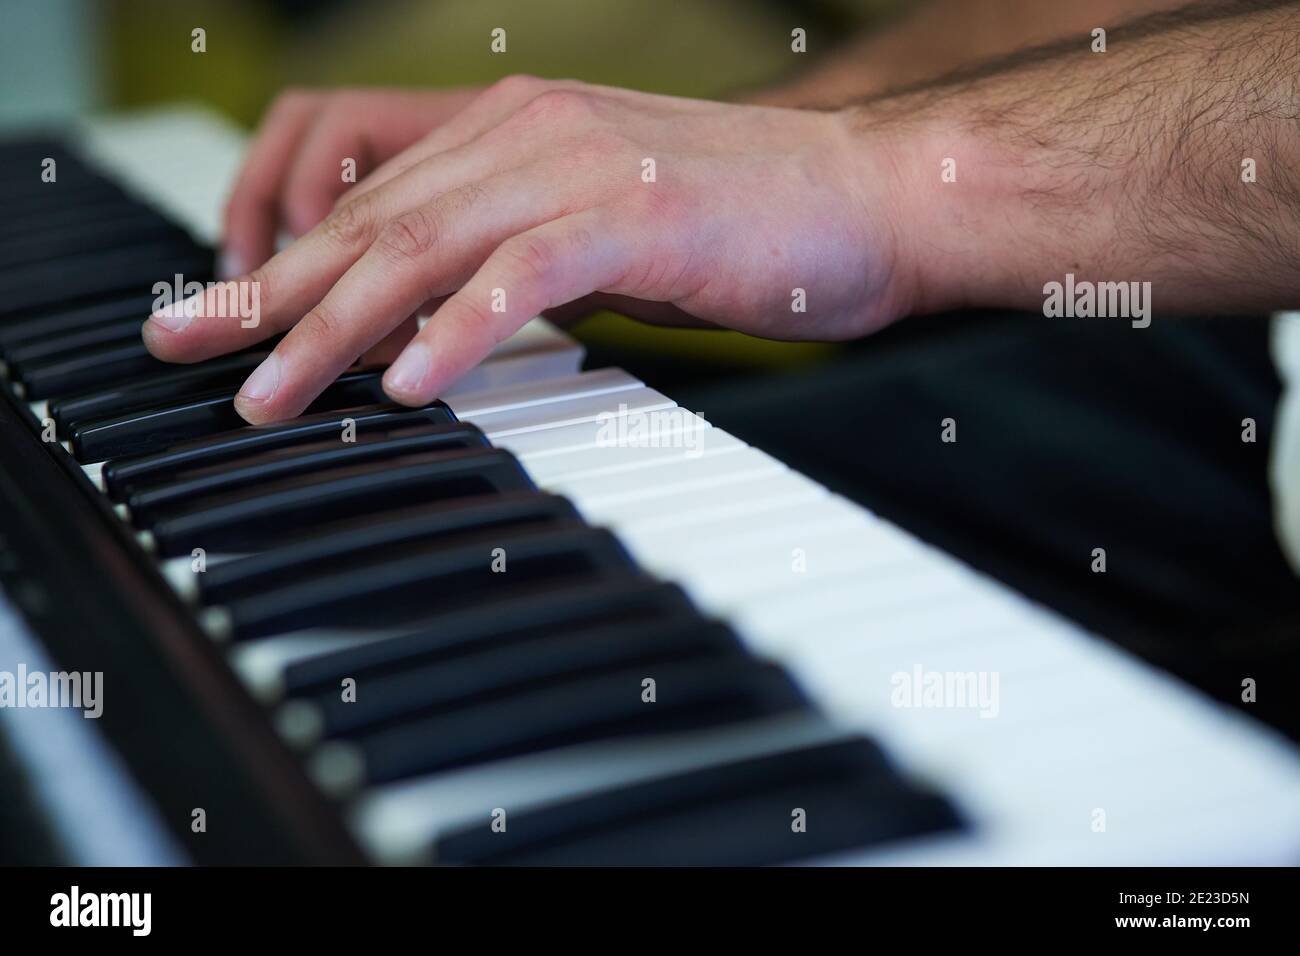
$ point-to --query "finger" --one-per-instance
(252, 212)
(299, 277)
(356, 127)
(424, 253)
(485, 112)
(499, 102)
(554, 263)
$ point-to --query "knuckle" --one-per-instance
(531, 257)
(559, 106)
(515, 85)
(352, 223)
(471, 321)
(409, 236)
(321, 327)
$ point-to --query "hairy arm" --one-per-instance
(944, 35)
(1123, 165)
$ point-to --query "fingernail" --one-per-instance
(262, 384)
(229, 265)
(408, 373)
(178, 315)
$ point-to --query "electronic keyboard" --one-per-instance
(552, 618)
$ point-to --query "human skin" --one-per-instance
(1123, 165)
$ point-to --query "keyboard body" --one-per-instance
(690, 652)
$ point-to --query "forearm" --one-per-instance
(1125, 165)
(944, 35)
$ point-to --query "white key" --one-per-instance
(752, 496)
(500, 426)
(607, 491)
(563, 439)
(516, 368)
(760, 573)
(906, 583)
(744, 537)
(472, 404)
(600, 462)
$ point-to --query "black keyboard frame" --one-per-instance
(186, 728)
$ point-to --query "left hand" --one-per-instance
(546, 197)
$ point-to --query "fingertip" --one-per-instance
(407, 380)
(153, 336)
(254, 412)
(162, 342)
(254, 400)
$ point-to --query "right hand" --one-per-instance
(294, 174)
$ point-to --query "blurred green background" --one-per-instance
(60, 58)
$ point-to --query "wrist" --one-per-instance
(980, 217)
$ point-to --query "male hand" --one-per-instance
(539, 193)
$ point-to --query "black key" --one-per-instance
(40, 325)
(16, 148)
(133, 226)
(347, 543)
(88, 204)
(124, 475)
(308, 459)
(460, 681)
(25, 173)
(71, 342)
(736, 814)
(253, 521)
(227, 372)
(57, 205)
(74, 279)
(624, 602)
(23, 161)
(82, 371)
(689, 695)
(415, 583)
(207, 414)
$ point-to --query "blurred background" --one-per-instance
(63, 58)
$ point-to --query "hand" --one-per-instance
(293, 174)
(542, 193)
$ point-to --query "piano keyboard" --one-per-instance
(510, 629)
